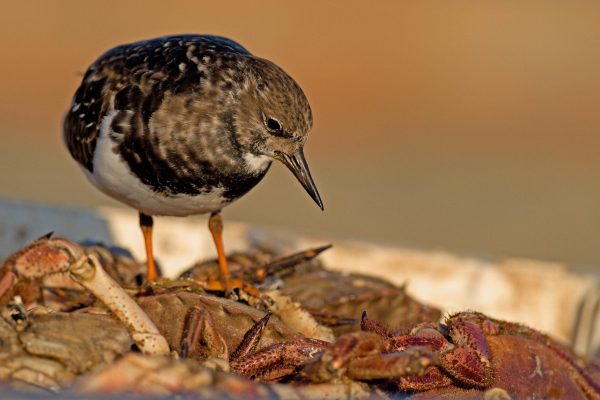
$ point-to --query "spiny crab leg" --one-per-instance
(279, 359)
(88, 272)
(411, 362)
(201, 338)
(360, 356)
(251, 338)
(282, 265)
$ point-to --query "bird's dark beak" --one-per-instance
(297, 164)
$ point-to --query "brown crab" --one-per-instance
(39, 273)
(39, 350)
(333, 298)
(201, 325)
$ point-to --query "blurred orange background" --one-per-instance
(465, 125)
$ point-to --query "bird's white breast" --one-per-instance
(256, 163)
(113, 177)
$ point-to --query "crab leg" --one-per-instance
(201, 338)
(89, 273)
(411, 362)
(278, 360)
(251, 338)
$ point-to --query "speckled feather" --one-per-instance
(183, 113)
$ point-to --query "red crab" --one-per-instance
(476, 353)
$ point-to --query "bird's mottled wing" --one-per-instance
(131, 80)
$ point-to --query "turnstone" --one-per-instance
(182, 125)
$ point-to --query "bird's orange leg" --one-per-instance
(146, 224)
(215, 225)
(225, 283)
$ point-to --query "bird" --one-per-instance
(186, 124)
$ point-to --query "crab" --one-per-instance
(39, 273)
(202, 326)
(39, 350)
(334, 299)
(476, 353)
(24, 271)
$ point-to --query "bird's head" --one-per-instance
(275, 118)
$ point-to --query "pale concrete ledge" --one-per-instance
(546, 296)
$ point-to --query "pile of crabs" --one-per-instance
(81, 319)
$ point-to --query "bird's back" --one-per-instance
(135, 74)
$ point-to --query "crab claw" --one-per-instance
(45, 256)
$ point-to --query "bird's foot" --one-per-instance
(230, 287)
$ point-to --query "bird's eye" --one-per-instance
(273, 125)
(275, 128)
